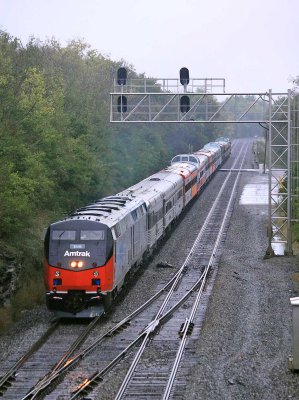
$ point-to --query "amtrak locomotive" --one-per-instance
(89, 254)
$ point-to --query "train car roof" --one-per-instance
(223, 139)
(213, 145)
(154, 188)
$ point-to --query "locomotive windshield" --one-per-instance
(64, 235)
(92, 235)
(87, 241)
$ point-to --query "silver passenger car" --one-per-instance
(163, 195)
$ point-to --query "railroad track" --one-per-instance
(178, 297)
(155, 381)
(163, 326)
(24, 377)
(8, 379)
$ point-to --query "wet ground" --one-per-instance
(247, 335)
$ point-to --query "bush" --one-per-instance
(28, 296)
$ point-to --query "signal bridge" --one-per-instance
(203, 100)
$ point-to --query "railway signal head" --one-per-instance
(122, 104)
(121, 76)
(184, 104)
(184, 76)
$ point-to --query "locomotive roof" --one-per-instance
(108, 210)
(206, 152)
(186, 158)
(184, 169)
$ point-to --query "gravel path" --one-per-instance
(246, 337)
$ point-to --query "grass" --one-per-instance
(5, 319)
(27, 297)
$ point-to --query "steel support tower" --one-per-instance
(159, 101)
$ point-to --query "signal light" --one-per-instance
(57, 282)
(122, 76)
(184, 104)
(122, 104)
(184, 76)
(95, 282)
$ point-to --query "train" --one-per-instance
(90, 254)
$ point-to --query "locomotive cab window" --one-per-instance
(92, 235)
(176, 159)
(64, 235)
(193, 159)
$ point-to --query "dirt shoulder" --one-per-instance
(247, 334)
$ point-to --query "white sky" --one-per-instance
(253, 44)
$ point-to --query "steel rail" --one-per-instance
(196, 304)
(7, 380)
(35, 391)
(150, 330)
(160, 319)
(67, 363)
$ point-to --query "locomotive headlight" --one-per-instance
(96, 273)
(73, 264)
(80, 264)
(57, 273)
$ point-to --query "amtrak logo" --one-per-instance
(77, 253)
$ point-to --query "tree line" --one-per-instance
(57, 148)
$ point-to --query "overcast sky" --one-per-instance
(253, 44)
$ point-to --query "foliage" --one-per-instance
(57, 150)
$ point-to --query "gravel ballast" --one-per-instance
(246, 337)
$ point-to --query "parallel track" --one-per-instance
(23, 379)
(8, 379)
(192, 276)
(178, 307)
(203, 257)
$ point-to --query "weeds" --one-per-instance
(27, 297)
